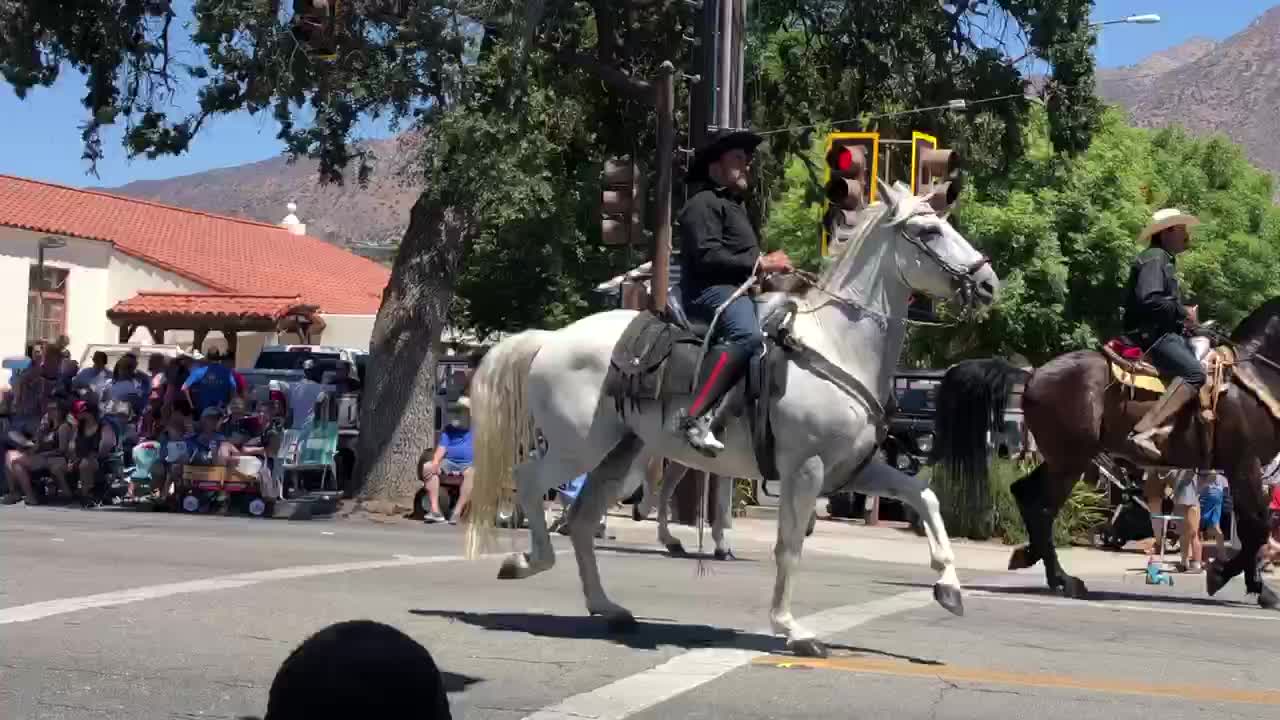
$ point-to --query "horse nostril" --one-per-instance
(986, 287)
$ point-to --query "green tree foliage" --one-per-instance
(1061, 233)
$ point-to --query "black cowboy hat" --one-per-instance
(720, 143)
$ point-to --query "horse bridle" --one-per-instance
(964, 274)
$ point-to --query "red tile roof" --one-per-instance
(225, 254)
(209, 306)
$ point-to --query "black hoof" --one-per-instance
(1022, 558)
(808, 648)
(676, 550)
(515, 567)
(1074, 588)
(1267, 599)
(948, 596)
(1214, 579)
(725, 555)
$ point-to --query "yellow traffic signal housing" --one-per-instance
(853, 163)
(622, 202)
(933, 167)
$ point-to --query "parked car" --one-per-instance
(909, 443)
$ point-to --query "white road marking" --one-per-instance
(641, 691)
(1111, 605)
(49, 608)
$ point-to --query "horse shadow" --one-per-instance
(645, 634)
(456, 682)
(1095, 595)
(663, 552)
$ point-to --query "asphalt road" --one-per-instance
(127, 615)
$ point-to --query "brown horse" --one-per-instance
(1076, 411)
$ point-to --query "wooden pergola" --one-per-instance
(203, 313)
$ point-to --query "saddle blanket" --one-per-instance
(1142, 382)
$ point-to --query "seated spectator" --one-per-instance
(92, 446)
(207, 446)
(95, 379)
(358, 669)
(454, 455)
(127, 394)
(46, 450)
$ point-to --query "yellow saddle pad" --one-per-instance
(1142, 382)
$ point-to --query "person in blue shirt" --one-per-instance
(210, 385)
(454, 454)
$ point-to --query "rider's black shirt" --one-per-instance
(718, 244)
(1153, 306)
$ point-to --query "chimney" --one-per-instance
(291, 221)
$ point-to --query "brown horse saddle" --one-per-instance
(1129, 368)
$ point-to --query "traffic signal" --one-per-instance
(315, 22)
(934, 168)
(852, 163)
(622, 202)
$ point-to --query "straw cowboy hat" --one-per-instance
(1166, 218)
(721, 143)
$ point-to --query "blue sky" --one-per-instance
(40, 137)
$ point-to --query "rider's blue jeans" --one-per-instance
(1173, 357)
(738, 326)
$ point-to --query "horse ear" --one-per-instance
(901, 204)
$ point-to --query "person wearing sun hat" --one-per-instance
(719, 251)
(1155, 318)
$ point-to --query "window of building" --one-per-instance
(47, 309)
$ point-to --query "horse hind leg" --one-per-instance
(600, 489)
(533, 479)
(1040, 497)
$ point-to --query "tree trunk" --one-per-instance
(398, 405)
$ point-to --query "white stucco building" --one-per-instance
(163, 271)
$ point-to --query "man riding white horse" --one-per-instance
(719, 252)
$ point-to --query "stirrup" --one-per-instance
(697, 431)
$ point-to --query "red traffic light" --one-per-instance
(844, 160)
(847, 160)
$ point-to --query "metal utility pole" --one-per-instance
(739, 59)
(661, 258)
(725, 81)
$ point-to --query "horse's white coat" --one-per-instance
(823, 430)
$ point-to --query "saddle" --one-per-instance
(1128, 368)
(657, 359)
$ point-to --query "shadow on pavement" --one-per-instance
(454, 682)
(644, 635)
(1095, 595)
(662, 552)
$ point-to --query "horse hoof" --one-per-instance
(1214, 579)
(676, 550)
(725, 555)
(1074, 588)
(515, 567)
(1021, 558)
(809, 647)
(948, 596)
(1267, 599)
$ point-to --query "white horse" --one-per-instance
(850, 329)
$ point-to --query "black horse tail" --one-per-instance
(971, 402)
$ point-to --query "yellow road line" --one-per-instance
(996, 677)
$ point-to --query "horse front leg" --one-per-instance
(885, 481)
(723, 518)
(799, 495)
(533, 480)
(671, 478)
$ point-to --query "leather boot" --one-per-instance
(1157, 420)
(722, 369)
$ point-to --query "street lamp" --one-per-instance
(48, 242)
(1148, 19)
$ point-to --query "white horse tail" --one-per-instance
(502, 431)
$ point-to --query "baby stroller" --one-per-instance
(1130, 517)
